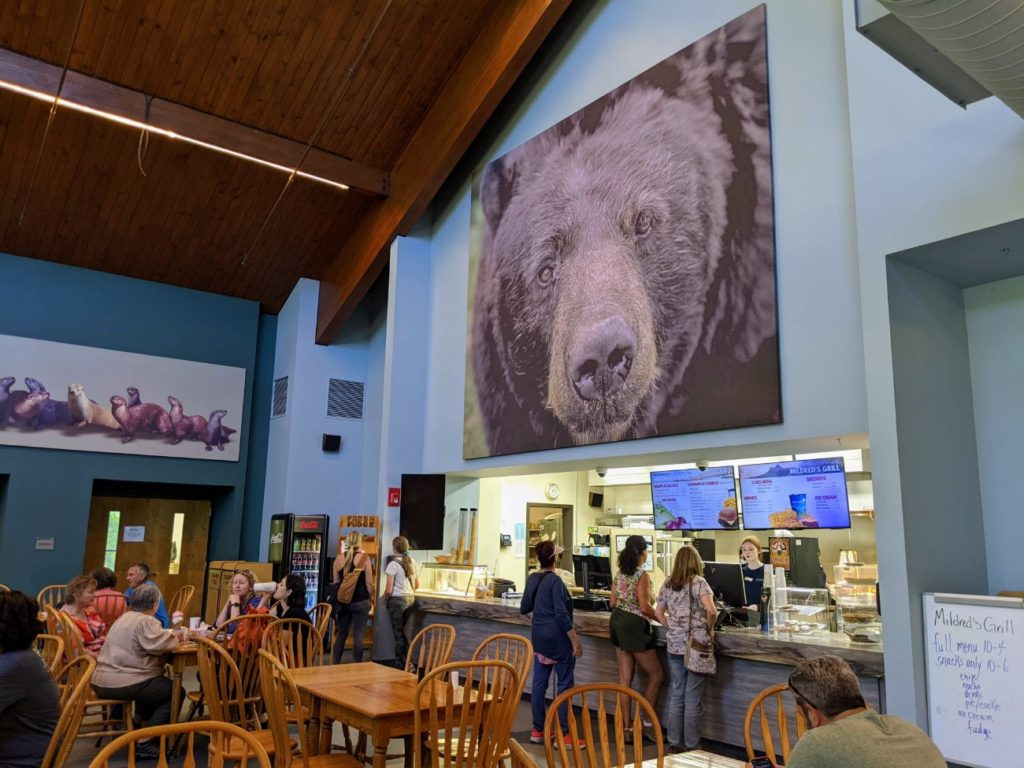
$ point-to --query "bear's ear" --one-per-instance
(497, 187)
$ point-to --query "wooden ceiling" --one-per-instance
(389, 93)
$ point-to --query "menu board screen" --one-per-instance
(694, 500)
(810, 493)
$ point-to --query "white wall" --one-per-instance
(819, 305)
(924, 170)
(995, 316)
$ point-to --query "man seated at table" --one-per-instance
(844, 731)
(138, 573)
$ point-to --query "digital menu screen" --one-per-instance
(810, 493)
(694, 500)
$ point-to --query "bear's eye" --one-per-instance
(545, 274)
(643, 223)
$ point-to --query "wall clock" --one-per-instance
(551, 491)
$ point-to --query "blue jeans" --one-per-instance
(565, 679)
(684, 694)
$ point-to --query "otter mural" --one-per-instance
(625, 286)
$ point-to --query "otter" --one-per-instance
(197, 426)
(146, 417)
(51, 413)
(85, 411)
(34, 385)
(214, 435)
(134, 398)
(184, 426)
(5, 392)
(28, 406)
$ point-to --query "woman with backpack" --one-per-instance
(555, 643)
(400, 592)
(355, 597)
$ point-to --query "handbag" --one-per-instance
(699, 656)
(348, 584)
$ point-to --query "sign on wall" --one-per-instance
(71, 397)
(622, 263)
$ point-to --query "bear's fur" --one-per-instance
(626, 284)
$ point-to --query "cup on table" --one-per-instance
(193, 623)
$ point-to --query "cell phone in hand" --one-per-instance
(761, 762)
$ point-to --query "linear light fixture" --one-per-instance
(127, 121)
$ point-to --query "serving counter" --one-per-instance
(749, 660)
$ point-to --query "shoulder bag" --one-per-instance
(348, 584)
(700, 656)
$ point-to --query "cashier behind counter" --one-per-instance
(753, 572)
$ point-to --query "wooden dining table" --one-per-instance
(183, 656)
(696, 759)
(374, 699)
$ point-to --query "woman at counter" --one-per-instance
(400, 592)
(630, 626)
(753, 572)
(686, 608)
(555, 643)
(354, 614)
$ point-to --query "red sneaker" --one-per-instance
(536, 737)
(569, 744)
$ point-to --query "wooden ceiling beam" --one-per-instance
(129, 104)
(468, 99)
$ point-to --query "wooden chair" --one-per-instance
(226, 696)
(54, 623)
(294, 642)
(181, 601)
(589, 707)
(51, 649)
(225, 739)
(473, 719)
(51, 595)
(100, 717)
(111, 606)
(515, 649)
(71, 710)
(320, 615)
(431, 648)
(520, 757)
(282, 697)
(771, 704)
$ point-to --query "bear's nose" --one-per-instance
(600, 361)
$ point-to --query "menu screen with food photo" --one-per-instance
(694, 500)
(810, 493)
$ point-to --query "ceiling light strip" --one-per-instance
(131, 123)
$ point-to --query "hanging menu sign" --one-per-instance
(693, 499)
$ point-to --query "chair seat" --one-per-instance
(233, 748)
(336, 760)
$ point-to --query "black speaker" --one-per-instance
(596, 499)
(332, 443)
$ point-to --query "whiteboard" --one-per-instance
(974, 667)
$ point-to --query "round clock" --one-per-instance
(551, 491)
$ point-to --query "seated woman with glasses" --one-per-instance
(241, 601)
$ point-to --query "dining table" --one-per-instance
(184, 655)
(696, 758)
(377, 700)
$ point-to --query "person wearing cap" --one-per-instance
(556, 645)
(630, 623)
(844, 730)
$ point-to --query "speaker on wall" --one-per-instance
(596, 499)
(331, 443)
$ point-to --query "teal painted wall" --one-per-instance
(48, 492)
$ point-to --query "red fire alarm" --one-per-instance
(394, 497)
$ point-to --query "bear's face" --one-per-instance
(602, 264)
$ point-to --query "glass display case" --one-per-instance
(855, 592)
(795, 609)
(451, 579)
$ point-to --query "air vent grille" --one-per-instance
(344, 399)
(280, 403)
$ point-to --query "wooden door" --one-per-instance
(172, 541)
(543, 520)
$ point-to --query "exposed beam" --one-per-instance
(96, 94)
(481, 80)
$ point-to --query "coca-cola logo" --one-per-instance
(277, 538)
(309, 525)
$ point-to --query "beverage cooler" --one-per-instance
(298, 544)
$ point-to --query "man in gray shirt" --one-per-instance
(844, 731)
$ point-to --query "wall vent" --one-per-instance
(280, 403)
(344, 399)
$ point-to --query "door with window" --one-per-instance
(169, 535)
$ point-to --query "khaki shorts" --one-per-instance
(630, 632)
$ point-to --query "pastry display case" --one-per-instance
(856, 596)
(795, 609)
(452, 579)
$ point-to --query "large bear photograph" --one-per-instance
(622, 263)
